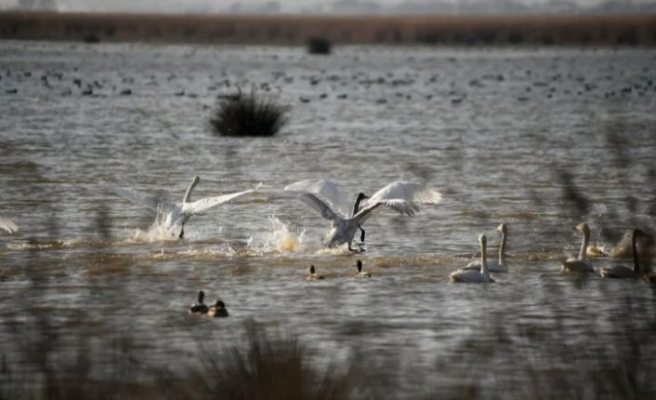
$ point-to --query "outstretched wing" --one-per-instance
(319, 205)
(143, 199)
(201, 205)
(8, 225)
(329, 190)
(403, 197)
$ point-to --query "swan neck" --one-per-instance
(484, 269)
(502, 249)
(356, 206)
(190, 189)
(634, 251)
(584, 245)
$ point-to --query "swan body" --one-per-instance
(472, 276)
(361, 273)
(177, 214)
(621, 271)
(200, 307)
(313, 276)
(579, 264)
(8, 225)
(499, 266)
(218, 310)
(402, 197)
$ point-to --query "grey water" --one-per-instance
(537, 138)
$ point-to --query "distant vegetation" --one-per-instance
(320, 46)
(248, 115)
(299, 30)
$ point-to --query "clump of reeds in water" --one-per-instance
(248, 115)
(318, 45)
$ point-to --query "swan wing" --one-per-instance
(149, 201)
(8, 225)
(325, 188)
(404, 197)
(319, 205)
(201, 205)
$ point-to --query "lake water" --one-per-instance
(540, 139)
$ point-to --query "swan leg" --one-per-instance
(362, 234)
(181, 232)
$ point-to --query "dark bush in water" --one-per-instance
(248, 115)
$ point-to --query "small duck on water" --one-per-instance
(313, 276)
(217, 310)
(200, 307)
(361, 273)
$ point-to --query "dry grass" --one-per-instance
(298, 30)
(248, 115)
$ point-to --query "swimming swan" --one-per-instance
(579, 264)
(469, 276)
(361, 273)
(313, 276)
(8, 225)
(217, 310)
(620, 271)
(402, 197)
(494, 266)
(177, 214)
(200, 307)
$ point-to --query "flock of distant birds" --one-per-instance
(327, 198)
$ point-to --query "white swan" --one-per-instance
(8, 225)
(469, 276)
(331, 191)
(579, 264)
(402, 197)
(494, 266)
(620, 271)
(177, 214)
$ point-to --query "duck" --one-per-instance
(218, 310)
(579, 264)
(200, 307)
(494, 266)
(8, 225)
(400, 196)
(361, 273)
(621, 271)
(313, 276)
(177, 214)
(473, 276)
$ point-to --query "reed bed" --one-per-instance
(629, 30)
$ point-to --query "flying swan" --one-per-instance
(472, 276)
(402, 197)
(494, 266)
(620, 271)
(177, 214)
(579, 264)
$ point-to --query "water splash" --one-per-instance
(280, 239)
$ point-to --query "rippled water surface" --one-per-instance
(540, 139)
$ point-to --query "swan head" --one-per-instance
(196, 180)
(219, 304)
(362, 196)
(201, 296)
(638, 233)
(359, 265)
(583, 228)
(482, 240)
(311, 269)
(502, 228)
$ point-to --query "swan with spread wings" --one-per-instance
(177, 214)
(325, 197)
